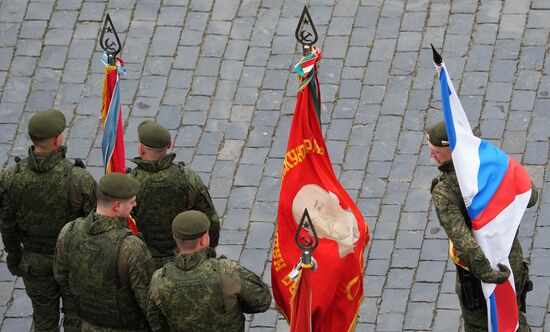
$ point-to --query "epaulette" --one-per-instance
(181, 164)
(79, 163)
(17, 159)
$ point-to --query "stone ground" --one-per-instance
(219, 76)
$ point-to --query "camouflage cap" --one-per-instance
(118, 185)
(437, 135)
(47, 124)
(190, 225)
(153, 135)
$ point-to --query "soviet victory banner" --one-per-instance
(308, 181)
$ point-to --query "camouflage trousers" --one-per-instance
(44, 292)
(89, 327)
(476, 320)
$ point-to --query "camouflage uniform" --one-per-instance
(454, 218)
(106, 270)
(197, 292)
(166, 190)
(38, 196)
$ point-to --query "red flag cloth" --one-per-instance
(112, 145)
(111, 121)
(309, 182)
(300, 318)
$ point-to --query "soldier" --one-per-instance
(38, 196)
(198, 292)
(166, 190)
(471, 264)
(102, 265)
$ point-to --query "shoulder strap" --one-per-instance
(121, 262)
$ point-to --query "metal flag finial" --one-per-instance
(307, 241)
(438, 60)
(109, 40)
(305, 31)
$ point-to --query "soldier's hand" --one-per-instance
(497, 277)
(13, 265)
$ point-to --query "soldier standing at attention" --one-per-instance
(102, 265)
(166, 190)
(471, 264)
(198, 292)
(38, 196)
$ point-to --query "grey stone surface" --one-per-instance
(219, 75)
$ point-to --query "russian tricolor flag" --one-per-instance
(496, 190)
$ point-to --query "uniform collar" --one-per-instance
(189, 261)
(447, 166)
(155, 165)
(42, 162)
(98, 223)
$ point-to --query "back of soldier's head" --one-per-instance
(44, 126)
(190, 231)
(154, 139)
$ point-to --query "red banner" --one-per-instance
(112, 145)
(309, 182)
(300, 318)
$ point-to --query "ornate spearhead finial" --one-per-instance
(109, 40)
(438, 60)
(305, 31)
(306, 241)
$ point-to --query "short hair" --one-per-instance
(188, 244)
(155, 152)
(103, 198)
(41, 141)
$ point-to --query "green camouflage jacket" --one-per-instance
(167, 190)
(197, 292)
(454, 218)
(29, 192)
(134, 265)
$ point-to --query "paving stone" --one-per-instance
(447, 320)
(419, 316)
(405, 258)
(394, 301)
(260, 235)
(424, 292)
(21, 305)
(400, 279)
(16, 324)
(390, 322)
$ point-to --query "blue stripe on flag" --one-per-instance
(446, 104)
(494, 314)
(110, 129)
(493, 164)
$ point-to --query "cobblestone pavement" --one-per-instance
(218, 75)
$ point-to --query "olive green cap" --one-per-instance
(437, 134)
(153, 135)
(119, 185)
(47, 124)
(190, 225)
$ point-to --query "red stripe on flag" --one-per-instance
(300, 317)
(507, 307)
(516, 181)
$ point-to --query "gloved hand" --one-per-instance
(13, 261)
(497, 277)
